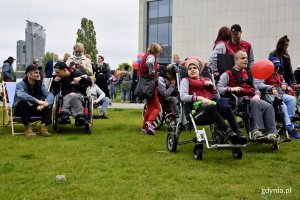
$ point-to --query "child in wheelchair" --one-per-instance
(197, 88)
(72, 85)
(274, 86)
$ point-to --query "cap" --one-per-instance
(275, 61)
(196, 63)
(235, 29)
(11, 58)
(31, 68)
(61, 65)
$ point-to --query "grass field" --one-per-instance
(117, 162)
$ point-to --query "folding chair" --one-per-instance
(47, 83)
(9, 89)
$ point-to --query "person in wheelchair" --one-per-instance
(33, 99)
(240, 82)
(72, 85)
(197, 88)
(274, 86)
(167, 89)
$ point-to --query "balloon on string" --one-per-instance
(139, 60)
(140, 55)
(262, 69)
(135, 65)
(118, 73)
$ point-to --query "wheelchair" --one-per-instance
(87, 103)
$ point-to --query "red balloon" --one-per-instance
(118, 73)
(135, 65)
(140, 55)
(262, 69)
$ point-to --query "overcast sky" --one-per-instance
(115, 22)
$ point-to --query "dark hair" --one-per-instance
(223, 34)
(101, 57)
(280, 50)
(126, 67)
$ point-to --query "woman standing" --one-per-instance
(149, 66)
(281, 52)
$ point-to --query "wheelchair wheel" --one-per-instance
(237, 153)
(88, 128)
(56, 126)
(159, 120)
(172, 142)
(275, 146)
(198, 150)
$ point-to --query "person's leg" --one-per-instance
(256, 120)
(128, 95)
(66, 104)
(23, 110)
(76, 104)
(268, 116)
(153, 109)
(104, 105)
(122, 95)
(290, 102)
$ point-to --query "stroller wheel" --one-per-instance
(172, 142)
(88, 128)
(237, 153)
(198, 150)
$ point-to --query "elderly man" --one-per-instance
(50, 66)
(240, 82)
(33, 99)
(79, 61)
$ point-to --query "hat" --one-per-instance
(235, 29)
(275, 61)
(196, 63)
(11, 58)
(61, 65)
(31, 68)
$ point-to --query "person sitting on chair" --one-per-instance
(72, 84)
(167, 89)
(33, 99)
(240, 82)
(99, 99)
(197, 88)
(275, 87)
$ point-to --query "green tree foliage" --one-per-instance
(122, 66)
(48, 56)
(87, 36)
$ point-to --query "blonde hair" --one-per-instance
(78, 45)
(154, 48)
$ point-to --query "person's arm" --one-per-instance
(22, 94)
(150, 64)
(162, 88)
(6, 71)
(251, 59)
(213, 59)
(47, 95)
(184, 91)
(100, 94)
(223, 84)
(262, 86)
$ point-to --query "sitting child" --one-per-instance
(72, 84)
(197, 88)
(167, 88)
(99, 99)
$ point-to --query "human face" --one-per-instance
(176, 58)
(78, 51)
(61, 72)
(34, 75)
(55, 57)
(193, 71)
(286, 45)
(100, 60)
(236, 37)
(241, 60)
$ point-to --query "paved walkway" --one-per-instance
(127, 105)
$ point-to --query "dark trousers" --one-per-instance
(102, 84)
(25, 111)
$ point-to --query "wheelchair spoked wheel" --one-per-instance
(89, 126)
(56, 126)
(172, 142)
(198, 151)
(237, 153)
(159, 120)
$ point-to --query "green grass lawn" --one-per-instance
(117, 162)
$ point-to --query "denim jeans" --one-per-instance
(104, 105)
(113, 91)
(288, 108)
(125, 94)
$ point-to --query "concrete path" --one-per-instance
(127, 105)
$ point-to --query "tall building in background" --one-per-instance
(35, 42)
(21, 55)
(189, 27)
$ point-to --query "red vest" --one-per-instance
(248, 90)
(228, 48)
(274, 80)
(242, 45)
(197, 87)
(143, 69)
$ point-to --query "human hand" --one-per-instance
(275, 92)
(72, 94)
(76, 80)
(236, 89)
(208, 83)
(283, 87)
(72, 63)
(57, 78)
(256, 97)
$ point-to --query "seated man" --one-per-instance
(197, 88)
(167, 89)
(274, 86)
(72, 84)
(33, 99)
(240, 81)
(99, 99)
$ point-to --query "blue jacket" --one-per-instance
(7, 71)
(32, 95)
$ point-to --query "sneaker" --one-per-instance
(80, 120)
(294, 134)
(143, 131)
(103, 116)
(272, 137)
(44, 132)
(64, 119)
(232, 136)
(150, 128)
(29, 133)
(241, 137)
(257, 135)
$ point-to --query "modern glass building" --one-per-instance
(189, 27)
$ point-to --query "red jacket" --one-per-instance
(242, 45)
(197, 88)
(143, 69)
(248, 89)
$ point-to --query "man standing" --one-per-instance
(7, 70)
(50, 65)
(236, 43)
(102, 74)
(33, 99)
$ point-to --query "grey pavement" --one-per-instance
(127, 105)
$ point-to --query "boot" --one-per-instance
(241, 137)
(44, 132)
(29, 133)
(231, 136)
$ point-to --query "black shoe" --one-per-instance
(231, 136)
(95, 116)
(80, 120)
(241, 137)
(64, 119)
(103, 116)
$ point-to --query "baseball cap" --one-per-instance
(61, 65)
(11, 58)
(31, 68)
(235, 29)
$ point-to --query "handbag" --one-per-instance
(145, 87)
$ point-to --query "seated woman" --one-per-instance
(197, 88)
(99, 99)
(167, 88)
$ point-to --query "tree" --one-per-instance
(87, 36)
(122, 66)
(48, 56)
